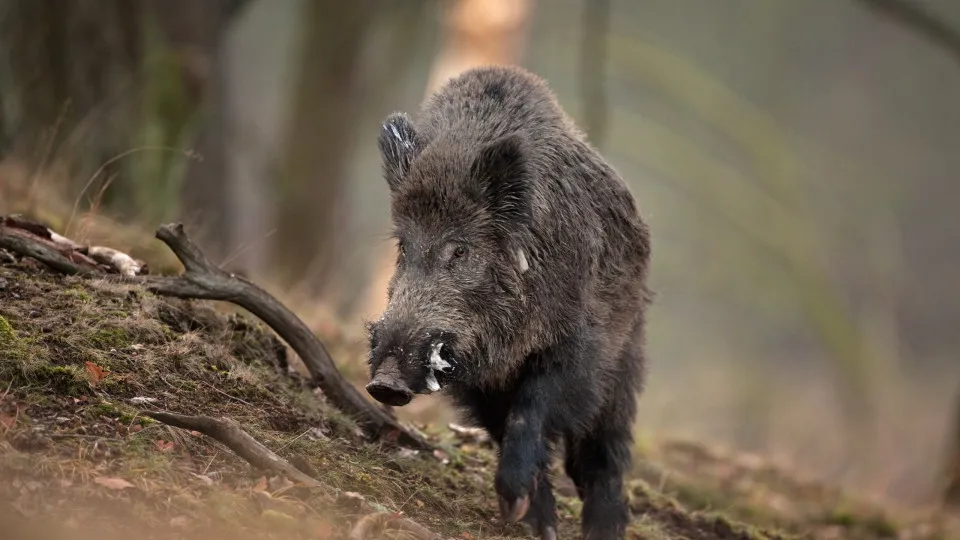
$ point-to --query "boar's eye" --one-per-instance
(458, 252)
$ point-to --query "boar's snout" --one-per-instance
(387, 386)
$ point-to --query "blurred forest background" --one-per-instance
(796, 160)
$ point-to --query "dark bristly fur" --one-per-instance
(522, 252)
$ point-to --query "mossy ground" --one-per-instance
(80, 359)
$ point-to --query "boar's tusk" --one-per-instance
(435, 363)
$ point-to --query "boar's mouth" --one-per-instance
(387, 387)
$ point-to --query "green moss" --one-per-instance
(12, 347)
(877, 525)
(110, 410)
(881, 526)
(110, 338)
(841, 517)
(8, 338)
(65, 380)
(78, 294)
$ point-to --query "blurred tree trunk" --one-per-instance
(319, 134)
(195, 32)
(951, 496)
(475, 33)
(69, 81)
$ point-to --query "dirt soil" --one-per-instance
(81, 358)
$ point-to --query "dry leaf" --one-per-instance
(164, 446)
(95, 372)
(261, 484)
(7, 420)
(113, 483)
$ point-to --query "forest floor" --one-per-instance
(81, 358)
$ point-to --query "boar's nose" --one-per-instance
(387, 387)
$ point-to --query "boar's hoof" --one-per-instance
(513, 512)
(548, 533)
(390, 391)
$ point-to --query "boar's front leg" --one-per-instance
(522, 481)
(518, 471)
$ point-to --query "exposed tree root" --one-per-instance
(229, 432)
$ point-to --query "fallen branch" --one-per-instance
(204, 280)
(23, 238)
(229, 432)
(37, 241)
(123, 263)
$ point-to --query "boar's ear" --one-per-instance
(399, 144)
(502, 169)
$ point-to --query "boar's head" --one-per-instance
(460, 211)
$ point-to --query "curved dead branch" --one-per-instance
(204, 280)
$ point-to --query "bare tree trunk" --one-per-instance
(475, 33)
(319, 135)
(197, 31)
(69, 80)
(951, 496)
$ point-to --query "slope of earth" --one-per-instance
(80, 359)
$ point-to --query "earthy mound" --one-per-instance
(81, 359)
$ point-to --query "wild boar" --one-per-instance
(520, 289)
